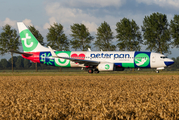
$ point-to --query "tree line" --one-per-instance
(156, 33)
(21, 63)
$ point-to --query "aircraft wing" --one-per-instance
(85, 62)
(25, 54)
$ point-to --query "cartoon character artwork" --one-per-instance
(45, 58)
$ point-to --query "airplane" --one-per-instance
(94, 61)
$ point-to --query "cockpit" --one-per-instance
(163, 57)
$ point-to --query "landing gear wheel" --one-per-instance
(90, 71)
(157, 71)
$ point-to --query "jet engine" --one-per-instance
(109, 67)
(106, 67)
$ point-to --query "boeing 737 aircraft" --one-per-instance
(95, 61)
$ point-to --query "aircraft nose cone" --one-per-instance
(167, 63)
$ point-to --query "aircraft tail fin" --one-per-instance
(29, 42)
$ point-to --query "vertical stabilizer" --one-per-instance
(29, 42)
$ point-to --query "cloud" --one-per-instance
(52, 20)
(97, 3)
(27, 22)
(92, 27)
(68, 16)
(161, 3)
(9, 22)
(90, 3)
(58, 12)
(46, 26)
(13, 23)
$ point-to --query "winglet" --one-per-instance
(89, 49)
(52, 52)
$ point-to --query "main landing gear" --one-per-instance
(157, 71)
(91, 71)
(96, 71)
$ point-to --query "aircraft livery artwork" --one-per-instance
(93, 60)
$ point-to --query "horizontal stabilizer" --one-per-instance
(25, 54)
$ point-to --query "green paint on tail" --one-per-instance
(29, 42)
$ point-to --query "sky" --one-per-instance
(43, 13)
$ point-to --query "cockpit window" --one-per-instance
(163, 57)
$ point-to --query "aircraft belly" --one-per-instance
(157, 64)
(73, 64)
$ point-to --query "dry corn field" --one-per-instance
(89, 97)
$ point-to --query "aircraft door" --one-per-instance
(153, 58)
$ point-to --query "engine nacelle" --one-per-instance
(106, 67)
(109, 67)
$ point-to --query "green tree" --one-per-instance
(75, 44)
(9, 40)
(174, 29)
(37, 34)
(104, 37)
(175, 66)
(39, 37)
(156, 33)
(4, 63)
(81, 37)
(26, 63)
(14, 60)
(43, 66)
(128, 35)
(19, 63)
(0, 65)
(32, 65)
(56, 38)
